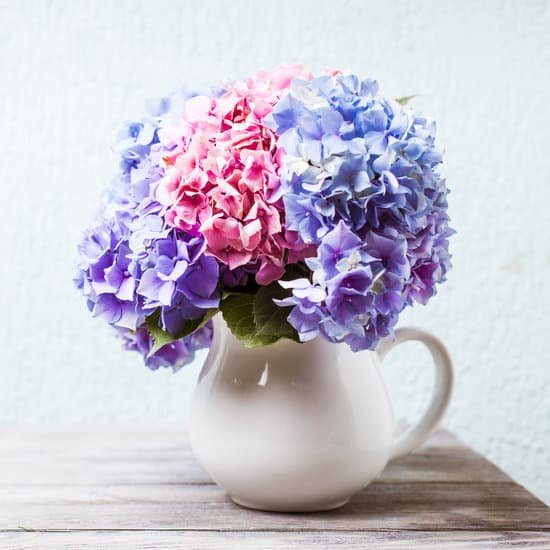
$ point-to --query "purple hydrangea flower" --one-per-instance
(103, 276)
(130, 262)
(358, 288)
(180, 279)
(307, 311)
(174, 355)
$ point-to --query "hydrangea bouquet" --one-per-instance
(298, 206)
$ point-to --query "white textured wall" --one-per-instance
(69, 71)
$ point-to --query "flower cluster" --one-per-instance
(130, 248)
(222, 179)
(361, 183)
(174, 355)
(320, 186)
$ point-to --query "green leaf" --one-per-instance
(405, 99)
(237, 291)
(161, 337)
(254, 318)
(238, 311)
(296, 271)
(271, 319)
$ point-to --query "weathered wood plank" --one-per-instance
(104, 483)
(426, 506)
(415, 468)
(136, 540)
(100, 458)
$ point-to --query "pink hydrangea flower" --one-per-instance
(222, 176)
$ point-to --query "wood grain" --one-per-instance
(102, 487)
(273, 540)
(427, 506)
(107, 456)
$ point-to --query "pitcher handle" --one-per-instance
(416, 435)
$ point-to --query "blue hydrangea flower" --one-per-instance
(357, 153)
(361, 182)
(355, 292)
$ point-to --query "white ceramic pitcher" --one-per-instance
(302, 427)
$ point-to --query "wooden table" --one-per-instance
(139, 487)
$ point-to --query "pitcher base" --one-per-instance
(290, 507)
